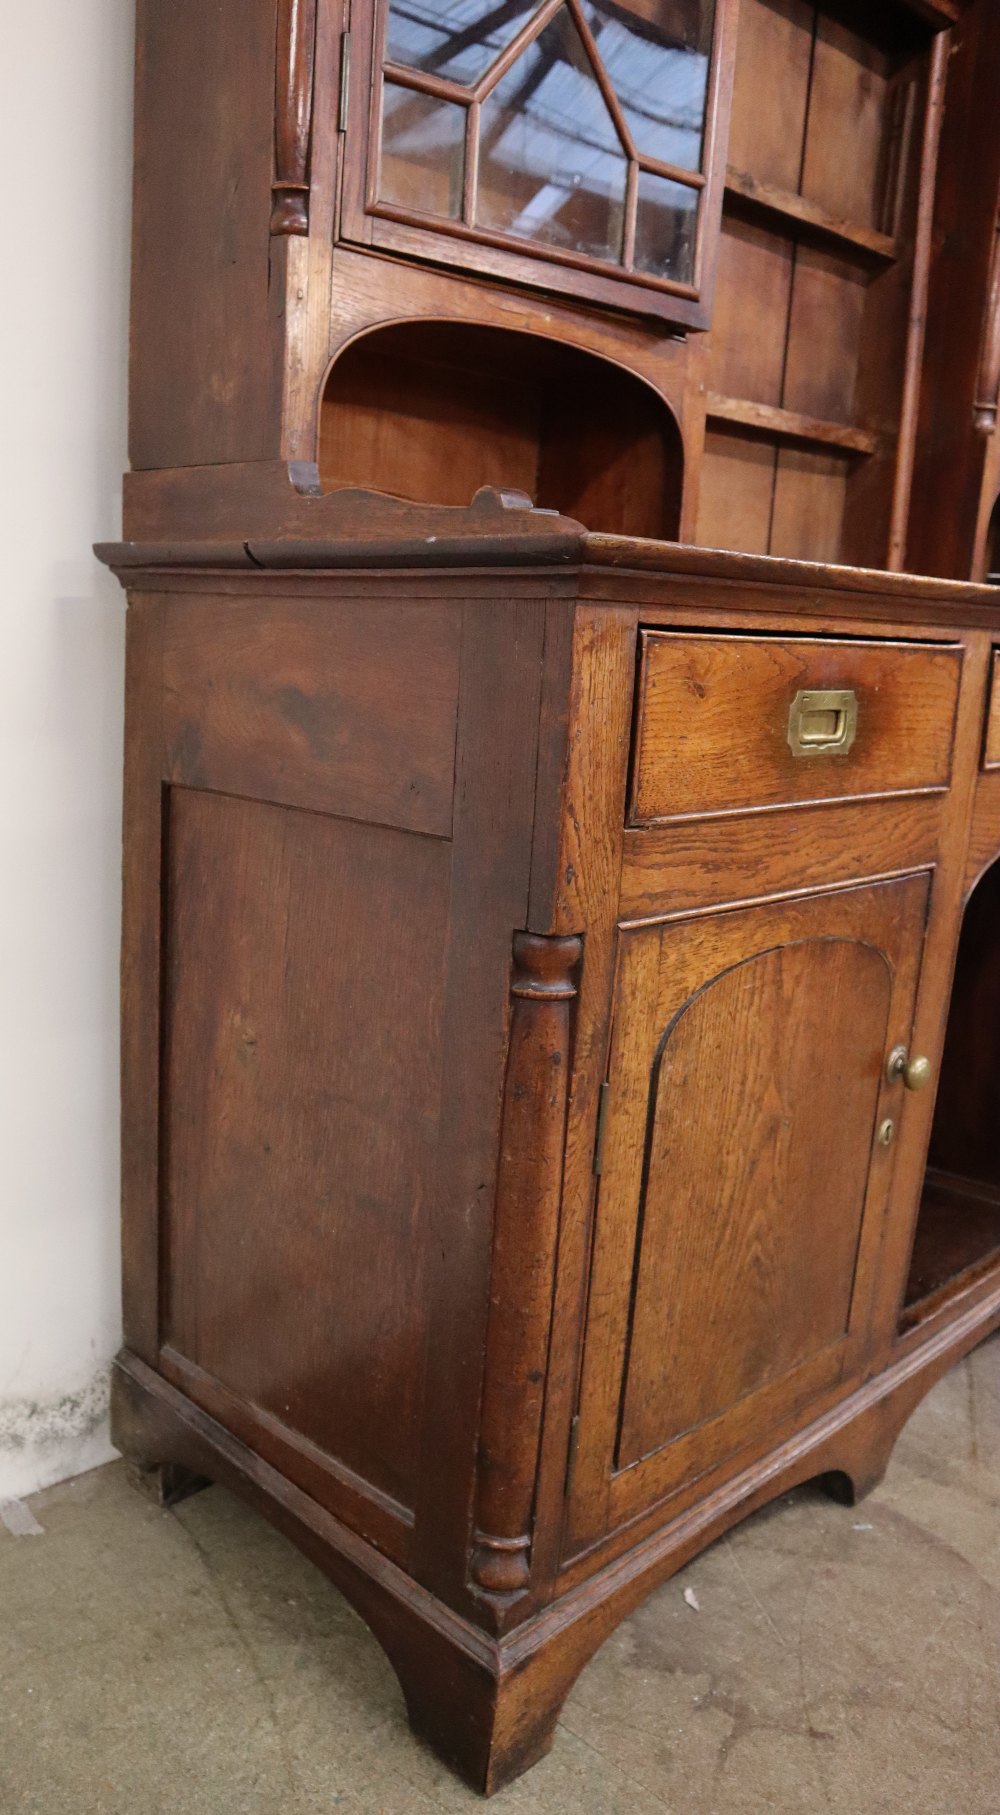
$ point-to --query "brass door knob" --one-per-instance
(915, 1073)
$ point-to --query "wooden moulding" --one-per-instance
(275, 514)
(526, 1224)
(293, 91)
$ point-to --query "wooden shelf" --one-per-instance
(957, 1242)
(768, 419)
(804, 217)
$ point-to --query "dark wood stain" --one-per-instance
(506, 1008)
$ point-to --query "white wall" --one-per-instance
(65, 124)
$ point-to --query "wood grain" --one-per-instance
(141, 959)
(293, 95)
(316, 707)
(660, 971)
(304, 996)
(433, 411)
(797, 214)
(793, 425)
(700, 863)
(525, 1239)
(751, 1201)
(495, 778)
(702, 696)
(499, 1378)
(205, 372)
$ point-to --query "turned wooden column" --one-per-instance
(988, 380)
(526, 1226)
(293, 97)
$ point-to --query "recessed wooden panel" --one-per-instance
(810, 493)
(773, 61)
(848, 92)
(737, 488)
(712, 732)
(315, 705)
(750, 319)
(754, 1181)
(824, 336)
(303, 998)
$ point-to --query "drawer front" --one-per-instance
(727, 724)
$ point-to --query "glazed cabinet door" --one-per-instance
(749, 1134)
(575, 144)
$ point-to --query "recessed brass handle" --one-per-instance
(915, 1073)
(822, 723)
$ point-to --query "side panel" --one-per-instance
(328, 835)
(304, 984)
(205, 384)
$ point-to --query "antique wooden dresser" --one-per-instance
(562, 842)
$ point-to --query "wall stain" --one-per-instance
(50, 1423)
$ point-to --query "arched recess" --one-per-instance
(958, 1227)
(432, 410)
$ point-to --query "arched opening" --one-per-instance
(430, 411)
(958, 1228)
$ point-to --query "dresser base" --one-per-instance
(489, 1707)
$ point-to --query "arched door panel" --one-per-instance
(750, 1192)
(743, 1185)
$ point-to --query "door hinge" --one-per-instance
(574, 1444)
(602, 1121)
(345, 81)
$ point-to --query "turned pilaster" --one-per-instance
(293, 93)
(988, 380)
(526, 1225)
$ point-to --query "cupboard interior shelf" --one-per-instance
(768, 419)
(957, 1242)
(804, 216)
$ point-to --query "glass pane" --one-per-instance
(423, 152)
(657, 56)
(551, 165)
(666, 222)
(454, 38)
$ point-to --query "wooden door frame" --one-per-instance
(364, 221)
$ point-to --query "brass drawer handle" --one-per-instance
(822, 724)
(915, 1073)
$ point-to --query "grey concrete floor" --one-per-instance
(844, 1661)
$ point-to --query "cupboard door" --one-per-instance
(576, 144)
(745, 1177)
